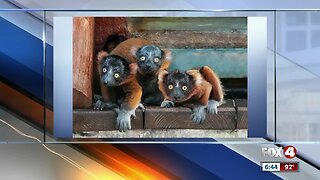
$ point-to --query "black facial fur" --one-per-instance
(114, 69)
(149, 58)
(179, 85)
(151, 94)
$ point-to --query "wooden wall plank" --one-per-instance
(191, 32)
(194, 40)
(83, 47)
(236, 25)
(179, 118)
(105, 26)
(91, 120)
(164, 118)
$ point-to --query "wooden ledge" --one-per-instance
(93, 120)
(179, 118)
(85, 120)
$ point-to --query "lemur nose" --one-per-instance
(176, 97)
(148, 66)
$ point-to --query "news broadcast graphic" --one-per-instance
(288, 152)
(216, 52)
(279, 154)
(280, 166)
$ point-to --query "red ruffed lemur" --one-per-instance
(129, 72)
(118, 76)
(198, 89)
(151, 60)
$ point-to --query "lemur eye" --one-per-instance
(142, 58)
(184, 88)
(170, 87)
(156, 59)
(116, 75)
(104, 70)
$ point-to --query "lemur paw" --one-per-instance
(97, 97)
(111, 105)
(198, 114)
(123, 121)
(133, 116)
(141, 106)
(167, 104)
(212, 107)
(99, 105)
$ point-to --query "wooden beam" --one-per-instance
(195, 40)
(191, 32)
(179, 118)
(164, 118)
(91, 120)
(83, 47)
(106, 26)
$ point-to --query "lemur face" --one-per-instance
(178, 85)
(149, 58)
(113, 70)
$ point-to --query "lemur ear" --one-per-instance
(134, 51)
(101, 55)
(167, 54)
(162, 75)
(195, 76)
(133, 68)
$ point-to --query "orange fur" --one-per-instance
(127, 48)
(166, 62)
(164, 67)
(133, 92)
(130, 86)
(201, 92)
(207, 86)
(213, 79)
(101, 55)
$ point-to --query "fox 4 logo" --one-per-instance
(288, 152)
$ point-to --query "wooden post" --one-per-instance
(83, 48)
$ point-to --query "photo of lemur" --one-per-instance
(160, 77)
